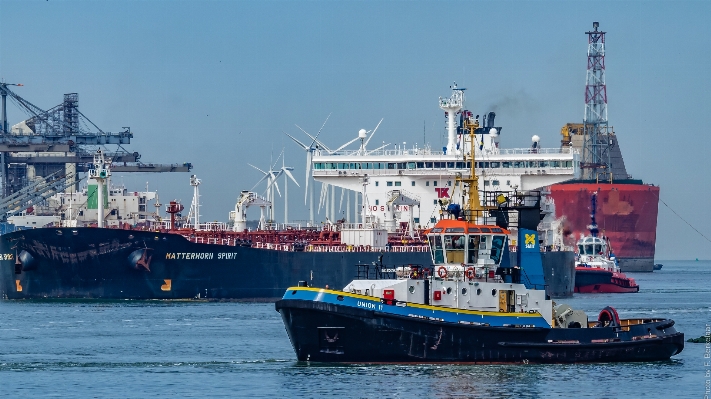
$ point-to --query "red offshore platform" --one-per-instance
(628, 207)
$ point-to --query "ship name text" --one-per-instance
(367, 305)
(200, 255)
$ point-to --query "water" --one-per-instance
(189, 349)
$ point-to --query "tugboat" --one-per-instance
(470, 308)
(596, 268)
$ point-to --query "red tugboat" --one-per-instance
(596, 269)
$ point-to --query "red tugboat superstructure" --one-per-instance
(596, 269)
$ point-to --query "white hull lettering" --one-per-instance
(366, 305)
(190, 255)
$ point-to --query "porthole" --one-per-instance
(293, 292)
(464, 291)
(449, 290)
(340, 297)
(130, 236)
(411, 289)
(493, 292)
(478, 291)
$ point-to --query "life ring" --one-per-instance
(471, 273)
(442, 272)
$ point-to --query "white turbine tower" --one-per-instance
(309, 190)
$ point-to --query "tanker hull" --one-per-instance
(124, 264)
(626, 214)
(91, 263)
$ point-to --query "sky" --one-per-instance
(216, 83)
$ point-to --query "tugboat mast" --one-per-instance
(473, 208)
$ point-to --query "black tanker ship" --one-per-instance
(107, 263)
(86, 262)
(184, 263)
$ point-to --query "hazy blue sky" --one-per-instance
(215, 83)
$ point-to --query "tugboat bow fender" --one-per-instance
(665, 325)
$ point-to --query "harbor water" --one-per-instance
(222, 349)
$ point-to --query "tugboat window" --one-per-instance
(493, 292)
(464, 291)
(473, 249)
(454, 244)
(411, 289)
(478, 291)
(449, 290)
(497, 243)
(437, 249)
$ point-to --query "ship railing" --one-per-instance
(360, 226)
(212, 240)
(366, 248)
(429, 152)
(426, 172)
(298, 226)
(212, 226)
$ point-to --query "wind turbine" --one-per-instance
(309, 190)
(270, 177)
(285, 171)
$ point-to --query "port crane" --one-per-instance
(67, 140)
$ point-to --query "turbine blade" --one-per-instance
(315, 140)
(257, 168)
(277, 160)
(266, 176)
(340, 204)
(373, 134)
(324, 124)
(324, 193)
(344, 145)
(288, 173)
(304, 146)
(379, 148)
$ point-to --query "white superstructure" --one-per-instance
(430, 174)
(82, 207)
